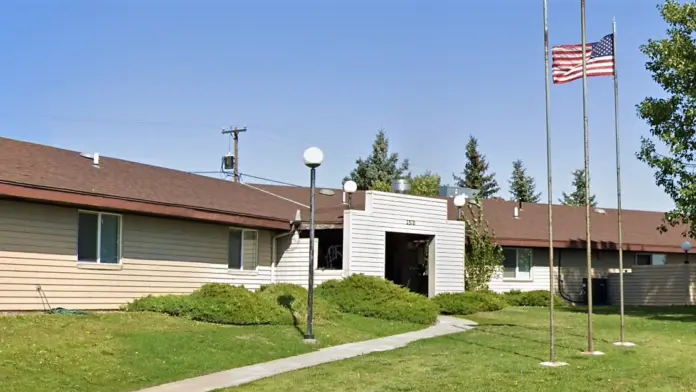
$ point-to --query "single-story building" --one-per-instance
(88, 232)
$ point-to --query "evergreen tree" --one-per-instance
(475, 174)
(577, 197)
(380, 168)
(522, 185)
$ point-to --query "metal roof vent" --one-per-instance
(599, 211)
(401, 186)
(327, 192)
(94, 157)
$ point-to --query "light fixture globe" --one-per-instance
(350, 187)
(459, 201)
(313, 157)
(686, 246)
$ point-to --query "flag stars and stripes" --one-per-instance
(567, 60)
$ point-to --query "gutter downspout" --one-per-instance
(560, 282)
(274, 251)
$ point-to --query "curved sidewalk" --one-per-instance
(244, 375)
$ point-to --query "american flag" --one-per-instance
(567, 60)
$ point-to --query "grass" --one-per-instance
(504, 352)
(127, 351)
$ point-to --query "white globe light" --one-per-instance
(686, 246)
(459, 201)
(350, 187)
(313, 157)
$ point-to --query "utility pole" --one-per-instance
(235, 135)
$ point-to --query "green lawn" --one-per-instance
(504, 352)
(126, 351)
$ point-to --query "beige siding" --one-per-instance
(539, 279)
(659, 285)
(363, 247)
(160, 256)
(292, 267)
(644, 285)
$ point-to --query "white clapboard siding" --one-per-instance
(364, 243)
(293, 259)
(160, 256)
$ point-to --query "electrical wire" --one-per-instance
(226, 174)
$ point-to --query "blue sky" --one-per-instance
(155, 81)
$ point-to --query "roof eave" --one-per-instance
(41, 194)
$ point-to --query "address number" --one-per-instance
(410, 223)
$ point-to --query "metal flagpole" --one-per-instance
(622, 342)
(552, 335)
(588, 244)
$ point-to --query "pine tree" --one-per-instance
(522, 185)
(380, 168)
(577, 197)
(475, 174)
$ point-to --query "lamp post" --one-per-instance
(686, 247)
(313, 157)
(349, 188)
(459, 202)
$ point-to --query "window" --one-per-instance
(651, 259)
(243, 249)
(98, 238)
(517, 263)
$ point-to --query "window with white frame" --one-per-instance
(651, 259)
(98, 237)
(243, 249)
(517, 263)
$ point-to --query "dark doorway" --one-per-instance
(330, 252)
(406, 260)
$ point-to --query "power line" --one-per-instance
(243, 175)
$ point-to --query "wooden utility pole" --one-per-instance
(235, 135)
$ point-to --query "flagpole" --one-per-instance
(622, 342)
(588, 242)
(552, 323)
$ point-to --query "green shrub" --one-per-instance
(379, 298)
(294, 298)
(538, 298)
(469, 302)
(222, 291)
(215, 304)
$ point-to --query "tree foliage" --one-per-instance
(426, 184)
(380, 168)
(672, 117)
(475, 174)
(483, 255)
(522, 185)
(577, 197)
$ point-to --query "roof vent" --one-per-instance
(327, 192)
(599, 211)
(94, 157)
(401, 186)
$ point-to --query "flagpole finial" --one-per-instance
(613, 20)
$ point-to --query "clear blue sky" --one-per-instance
(154, 81)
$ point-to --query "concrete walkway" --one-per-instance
(244, 375)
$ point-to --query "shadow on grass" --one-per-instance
(541, 329)
(658, 313)
(525, 338)
(495, 348)
(286, 302)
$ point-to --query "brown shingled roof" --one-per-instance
(531, 229)
(48, 174)
(36, 171)
(639, 227)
